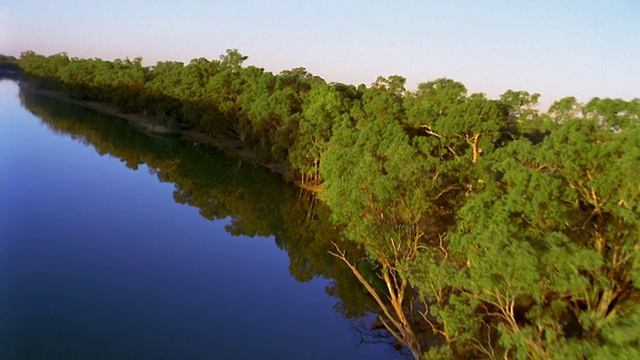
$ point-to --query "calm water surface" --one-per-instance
(116, 244)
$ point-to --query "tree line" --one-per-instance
(503, 231)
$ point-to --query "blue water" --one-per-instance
(97, 261)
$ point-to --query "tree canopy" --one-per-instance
(477, 227)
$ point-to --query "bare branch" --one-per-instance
(342, 255)
(428, 130)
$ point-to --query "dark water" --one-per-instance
(119, 245)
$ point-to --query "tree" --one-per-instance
(600, 167)
(382, 101)
(433, 100)
(321, 108)
(521, 105)
(565, 109)
(377, 186)
(475, 124)
(522, 112)
(614, 113)
(233, 60)
(545, 248)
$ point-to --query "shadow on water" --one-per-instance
(257, 202)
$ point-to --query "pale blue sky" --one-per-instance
(557, 48)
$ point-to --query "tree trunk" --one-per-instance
(393, 318)
(474, 147)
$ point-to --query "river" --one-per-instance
(116, 244)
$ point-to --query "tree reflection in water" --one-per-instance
(257, 202)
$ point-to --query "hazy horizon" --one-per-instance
(555, 48)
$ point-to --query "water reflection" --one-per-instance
(256, 201)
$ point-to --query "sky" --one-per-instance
(558, 48)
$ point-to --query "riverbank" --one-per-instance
(152, 125)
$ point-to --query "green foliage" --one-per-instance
(501, 231)
(565, 109)
(433, 101)
(370, 183)
(322, 106)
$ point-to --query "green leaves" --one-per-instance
(375, 176)
(518, 231)
(321, 108)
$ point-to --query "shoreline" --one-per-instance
(151, 125)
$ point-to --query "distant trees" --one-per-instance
(503, 231)
(269, 114)
(9, 66)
